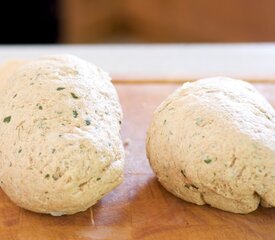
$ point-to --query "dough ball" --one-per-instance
(60, 144)
(213, 142)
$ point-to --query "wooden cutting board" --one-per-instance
(140, 208)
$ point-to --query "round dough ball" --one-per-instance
(212, 142)
(60, 144)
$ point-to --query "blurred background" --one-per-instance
(136, 21)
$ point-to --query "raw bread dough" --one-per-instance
(60, 144)
(213, 142)
(8, 68)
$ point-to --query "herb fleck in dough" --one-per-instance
(60, 151)
(222, 150)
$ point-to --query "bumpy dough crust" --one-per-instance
(212, 142)
(60, 144)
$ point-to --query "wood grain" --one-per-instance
(140, 208)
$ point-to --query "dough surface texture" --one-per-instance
(60, 143)
(213, 142)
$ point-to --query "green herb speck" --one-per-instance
(40, 107)
(60, 88)
(75, 113)
(268, 117)
(208, 160)
(164, 122)
(74, 96)
(20, 150)
(98, 179)
(53, 150)
(7, 119)
(199, 121)
(47, 176)
(88, 122)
